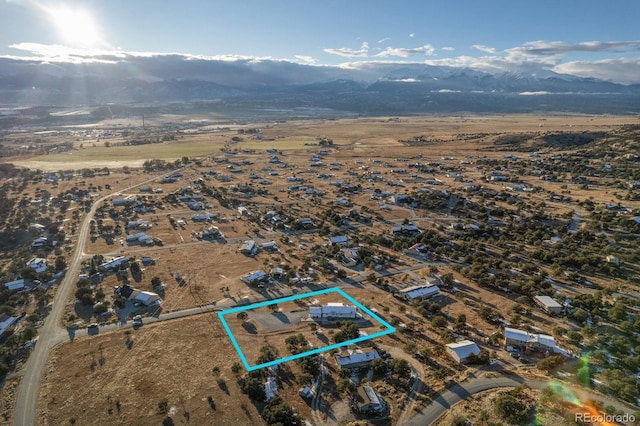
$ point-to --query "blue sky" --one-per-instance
(582, 37)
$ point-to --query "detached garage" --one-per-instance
(461, 350)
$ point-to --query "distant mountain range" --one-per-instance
(269, 87)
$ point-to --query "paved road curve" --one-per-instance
(462, 391)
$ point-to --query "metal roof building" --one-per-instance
(356, 358)
(333, 310)
(547, 304)
(419, 292)
(461, 350)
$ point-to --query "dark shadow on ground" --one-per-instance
(249, 327)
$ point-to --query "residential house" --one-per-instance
(39, 243)
(529, 341)
(145, 298)
(271, 246)
(255, 276)
(339, 240)
(6, 321)
(354, 358)
(139, 238)
(306, 223)
(333, 311)
(122, 201)
(138, 224)
(248, 248)
(114, 263)
(414, 292)
(38, 264)
(460, 351)
(406, 230)
(548, 305)
(204, 217)
(349, 256)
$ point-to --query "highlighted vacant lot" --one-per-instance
(386, 328)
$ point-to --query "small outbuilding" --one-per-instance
(367, 401)
(462, 350)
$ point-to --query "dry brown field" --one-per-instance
(85, 380)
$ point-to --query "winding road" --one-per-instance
(461, 391)
(52, 333)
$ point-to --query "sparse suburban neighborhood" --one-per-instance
(502, 249)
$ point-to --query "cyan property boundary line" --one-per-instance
(388, 328)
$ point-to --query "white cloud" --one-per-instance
(625, 71)
(60, 53)
(384, 40)
(553, 48)
(412, 35)
(350, 53)
(306, 59)
(539, 58)
(484, 48)
(406, 52)
(539, 93)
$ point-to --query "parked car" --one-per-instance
(137, 321)
(93, 329)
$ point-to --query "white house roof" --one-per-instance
(518, 335)
(255, 275)
(331, 309)
(526, 337)
(464, 348)
(547, 301)
(417, 291)
(546, 340)
(352, 357)
(339, 239)
(38, 264)
(145, 297)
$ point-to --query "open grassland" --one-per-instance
(359, 135)
(102, 156)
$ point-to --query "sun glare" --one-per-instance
(75, 26)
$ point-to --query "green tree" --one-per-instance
(254, 388)
(278, 412)
(550, 363)
(61, 263)
(242, 316)
(348, 331)
(509, 408)
(379, 366)
(84, 295)
(439, 321)
(401, 368)
(163, 405)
